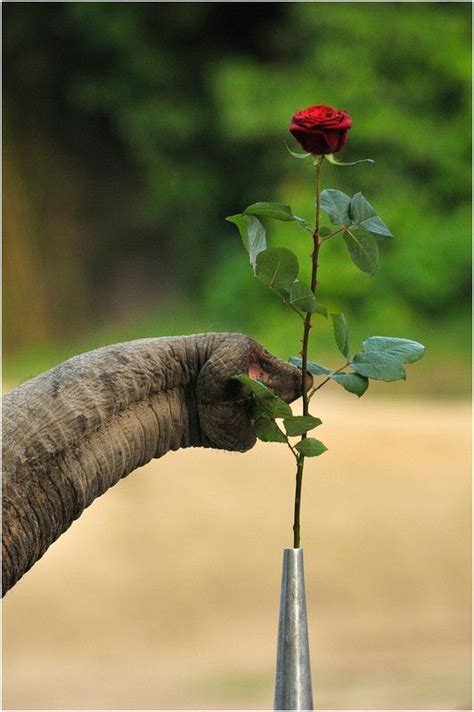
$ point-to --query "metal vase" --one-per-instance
(293, 689)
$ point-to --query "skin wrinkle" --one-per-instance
(212, 389)
(104, 455)
(41, 511)
(40, 413)
(179, 414)
(127, 443)
(67, 491)
(36, 525)
(30, 411)
(59, 497)
(19, 521)
(15, 558)
(53, 495)
(6, 556)
(143, 439)
(94, 483)
(64, 491)
(161, 425)
(19, 552)
(165, 437)
(49, 442)
(124, 444)
(150, 444)
(79, 502)
(124, 453)
(36, 522)
(124, 449)
(88, 394)
(193, 418)
(152, 449)
(53, 515)
(99, 476)
(104, 451)
(184, 438)
(109, 412)
(166, 434)
(13, 543)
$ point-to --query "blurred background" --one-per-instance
(130, 131)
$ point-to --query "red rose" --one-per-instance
(320, 129)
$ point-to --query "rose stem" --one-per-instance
(306, 330)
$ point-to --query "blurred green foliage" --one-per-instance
(140, 126)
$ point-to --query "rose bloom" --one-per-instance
(320, 129)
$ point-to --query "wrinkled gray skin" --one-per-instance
(74, 431)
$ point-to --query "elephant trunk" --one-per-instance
(76, 430)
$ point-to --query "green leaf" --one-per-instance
(299, 424)
(268, 431)
(314, 368)
(253, 235)
(341, 333)
(405, 350)
(336, 205)
(277, 267)
(257, 387)
(317, 369)
(363, 249)
(378, 365)
(310, 447)
(352, 382)
(277, 408)
(277, 211)
(325, 231)
(283, 293)
(302, 297)
(300, 302)
(321, 309)
(363, 215)
(269, 403)
(336, 162)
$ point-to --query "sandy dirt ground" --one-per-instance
(164, 595)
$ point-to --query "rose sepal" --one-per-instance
(331, 159)
(301, 156)
(316, 159)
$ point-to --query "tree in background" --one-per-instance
(131, 129)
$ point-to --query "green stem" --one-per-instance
(287, 303)
(306, 331)
(326, 380)
(299, 484)
(294, 452)
(332, 234)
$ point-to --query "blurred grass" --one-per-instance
(133, 129)
(444, 371)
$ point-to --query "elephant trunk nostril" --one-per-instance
(284, 379)
(255, 371)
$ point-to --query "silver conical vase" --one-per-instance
(293, 689)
